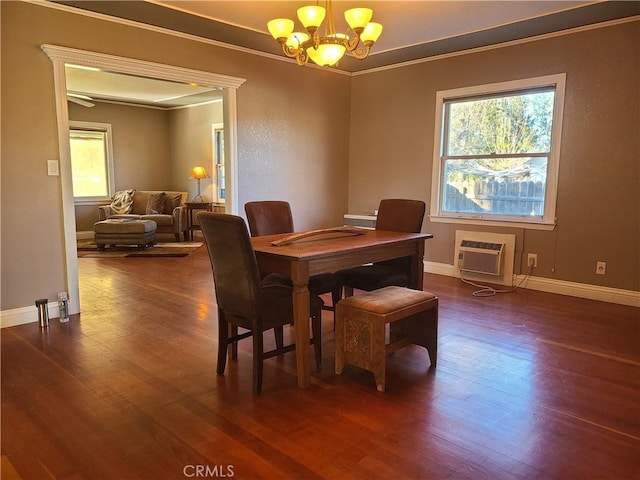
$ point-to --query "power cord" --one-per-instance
(487, 291)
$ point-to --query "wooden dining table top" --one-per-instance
(332, 243)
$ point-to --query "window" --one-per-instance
(91, 162)
(218, 160)
(496, 153)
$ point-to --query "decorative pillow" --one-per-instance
(171, 201)
(155, 205)
(122, 201)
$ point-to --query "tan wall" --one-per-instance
(294, 141)
(392, 131)
(291, 145)
(191, 145)
(141, 159)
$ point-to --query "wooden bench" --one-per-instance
(361, 328)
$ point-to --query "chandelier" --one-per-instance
(326, 50)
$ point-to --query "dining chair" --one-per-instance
(242, 301)
(270, 217)
(398, 215)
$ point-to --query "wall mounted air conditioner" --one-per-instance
(480, 257)
(484, 256)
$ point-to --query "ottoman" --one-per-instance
(124, 232)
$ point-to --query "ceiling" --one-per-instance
(90, 85)
(413, 29)
(406, 23)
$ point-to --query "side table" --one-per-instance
(191, 207)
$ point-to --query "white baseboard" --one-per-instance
(86, 235)
(562, 287)
(22, 315)
(440, 269)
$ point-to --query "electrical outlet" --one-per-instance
(601, 268)
(532, 260)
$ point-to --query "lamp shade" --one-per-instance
(199, 172)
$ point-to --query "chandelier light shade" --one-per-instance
(328, 48)
(358, 18)
(311, 17)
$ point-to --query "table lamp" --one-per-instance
(198, 173)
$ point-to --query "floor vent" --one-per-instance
(485, 256)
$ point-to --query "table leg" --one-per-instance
(300, 279)
(416, 278)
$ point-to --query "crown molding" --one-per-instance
(174, 33)
(115, 63)
(511, 43)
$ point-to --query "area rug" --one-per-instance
(88, 249)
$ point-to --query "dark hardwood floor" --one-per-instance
(529, 385)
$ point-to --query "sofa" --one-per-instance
(166, 208)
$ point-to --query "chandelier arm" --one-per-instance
(289, 51)
(302, 58)
(352, 43)
(361, 52)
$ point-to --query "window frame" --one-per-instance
(217, 134)
(548, 220)
(99, 127)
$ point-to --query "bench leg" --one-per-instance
(379, 353)
(424, 332)
(422, 329)
(380, 379)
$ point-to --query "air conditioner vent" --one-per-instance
(482, 245)
(485, 256)
(480, 257)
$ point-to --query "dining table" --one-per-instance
(303, 254)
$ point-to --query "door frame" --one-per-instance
(60, 56)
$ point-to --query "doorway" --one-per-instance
(60, 57)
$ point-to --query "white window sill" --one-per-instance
(92, 201)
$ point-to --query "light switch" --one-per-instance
(53, 168)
